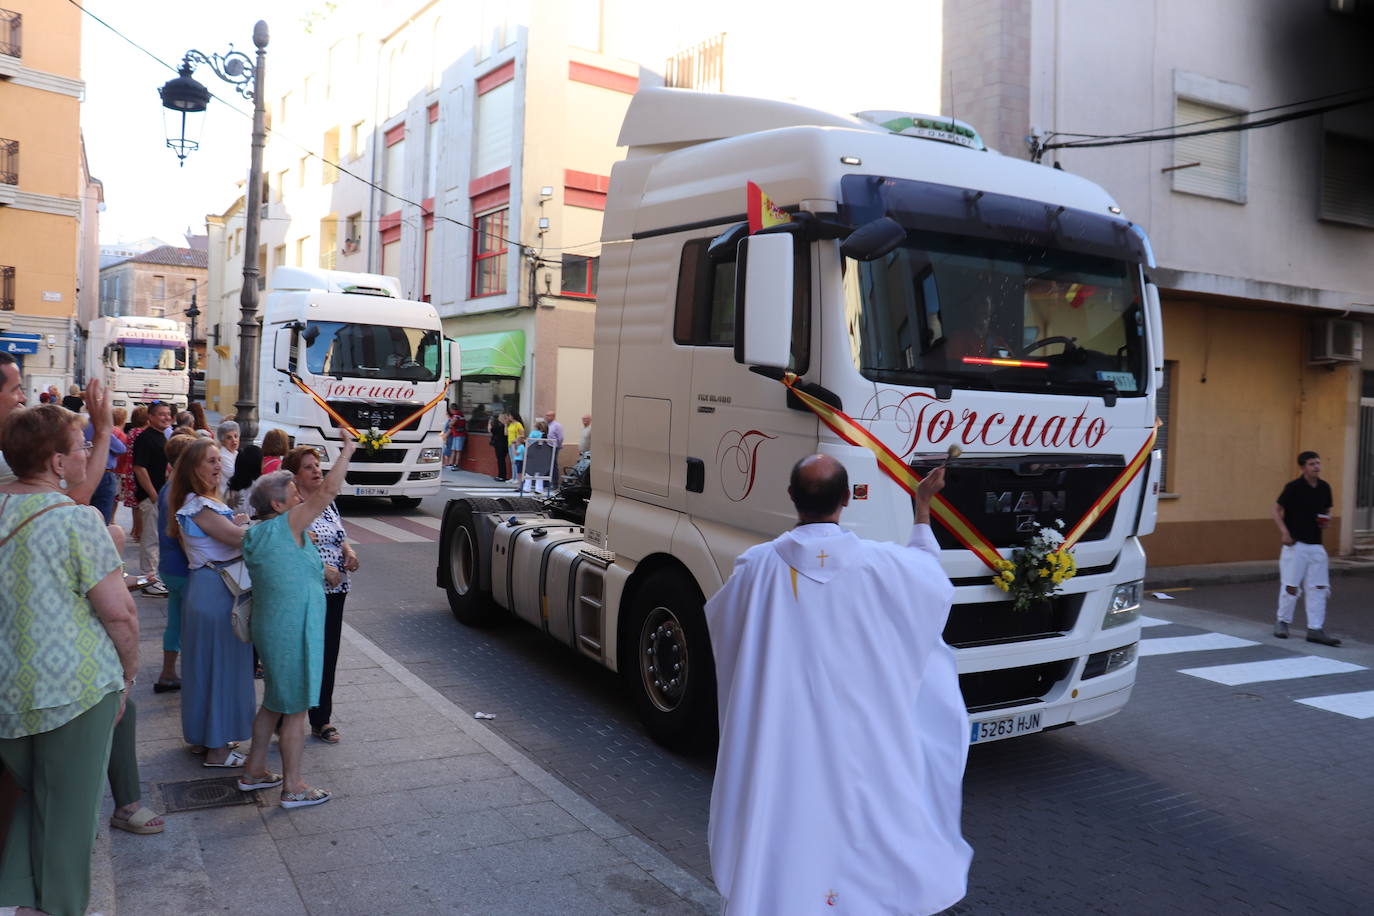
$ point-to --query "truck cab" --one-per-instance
(375, 359)
(935, 293)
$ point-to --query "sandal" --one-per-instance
(164, 686)
(268, 780)
(329, 734)
(313, 796)
(234, 760)
(138, 822)
(198, 750)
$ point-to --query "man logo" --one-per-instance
(1026, 501)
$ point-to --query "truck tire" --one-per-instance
(405, 502)
(463, 559)
(519, 504)
(666, 625)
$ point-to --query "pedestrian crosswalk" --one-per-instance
(392, 529)
(1290, 667)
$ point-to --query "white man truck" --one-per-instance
(140, 360)
(933, 291)
(374, 358)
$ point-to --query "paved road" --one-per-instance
(1213, 792)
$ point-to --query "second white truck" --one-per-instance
(374, 358)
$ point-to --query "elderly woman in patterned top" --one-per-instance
(327, 531)
(62, 599)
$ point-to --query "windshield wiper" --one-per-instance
(905, 376)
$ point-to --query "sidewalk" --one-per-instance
(432, 813)
(1166, 577)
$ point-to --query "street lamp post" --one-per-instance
(186, 96)
(192, 313)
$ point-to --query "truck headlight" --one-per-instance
(1124, 606)
(431, 455)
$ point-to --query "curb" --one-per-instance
(1191, 577)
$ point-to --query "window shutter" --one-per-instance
(1164, 410)
(495, 125)
(1347, 180)
(1220, 173)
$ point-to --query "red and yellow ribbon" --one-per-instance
(344, 424)
(959, 526)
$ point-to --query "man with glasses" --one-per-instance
(150, 473)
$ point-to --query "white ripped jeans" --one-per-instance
(1302, 568)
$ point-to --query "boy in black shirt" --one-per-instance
(1302, 511)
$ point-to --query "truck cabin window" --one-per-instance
(974, 313)
(350, 350)
(150, 356)
(705, 309)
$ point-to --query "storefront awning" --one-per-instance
(499, 353)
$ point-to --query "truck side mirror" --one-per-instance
(282, 356)
(873, 240)
(764, 300)
(310, 333)
(455, 361)
(1155, 317)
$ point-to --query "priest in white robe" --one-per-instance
(843, 734)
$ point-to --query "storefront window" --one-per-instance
(480, 397)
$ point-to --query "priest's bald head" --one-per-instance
(819, 489)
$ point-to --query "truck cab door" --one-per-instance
(743, 438)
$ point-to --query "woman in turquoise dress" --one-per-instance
(287, 623)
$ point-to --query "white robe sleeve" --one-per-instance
(922, 538)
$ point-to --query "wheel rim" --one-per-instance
(663, 659)
(463, 561)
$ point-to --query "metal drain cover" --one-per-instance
(195, 794)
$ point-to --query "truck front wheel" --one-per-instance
(462, 553)
(666, 661)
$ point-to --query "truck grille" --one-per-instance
(373, 478)
(984, 690)
(1007, 499)
(383, 416)
(385, 456)
(992, 622)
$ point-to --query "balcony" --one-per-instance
(6, 289)
(9, 161)
(11, 33)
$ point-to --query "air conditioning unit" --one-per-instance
(1337, 340)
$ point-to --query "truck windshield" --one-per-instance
(150, 356)
(348, 350)
(983, 313)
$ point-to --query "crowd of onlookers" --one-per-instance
(510, 442)
(203, 503)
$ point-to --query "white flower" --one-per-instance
(1059, 523)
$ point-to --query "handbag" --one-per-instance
(236, 578)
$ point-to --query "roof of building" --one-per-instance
(171, 256)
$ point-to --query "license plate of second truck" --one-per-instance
(1005, 727)
(369, 491)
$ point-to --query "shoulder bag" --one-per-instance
(234, 573)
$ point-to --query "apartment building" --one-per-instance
(41, 187)
(155, 284)
(1264, 237)
(468, 156)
